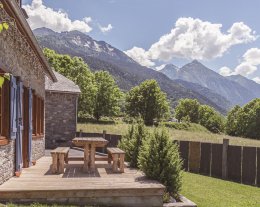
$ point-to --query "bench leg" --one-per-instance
(54, 167)
(67, 158)
(86, 158)
(115, 162)
(109, 158)
(122, 163)
(61, 163)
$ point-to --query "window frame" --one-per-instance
(38, 116)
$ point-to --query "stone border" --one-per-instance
(184, 203)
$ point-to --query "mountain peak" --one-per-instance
(43, 31)
(170, 67)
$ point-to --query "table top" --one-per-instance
(98, 141)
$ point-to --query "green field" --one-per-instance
(194, 133)
(211, 192)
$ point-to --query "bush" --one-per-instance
(159, 159)
(131, 143)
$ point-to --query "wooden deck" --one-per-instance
(101, 187)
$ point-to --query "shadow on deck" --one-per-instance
(101, 187)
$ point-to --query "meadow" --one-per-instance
(193, 133)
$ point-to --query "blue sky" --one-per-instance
(137, 26)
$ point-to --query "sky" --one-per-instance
(224, 35)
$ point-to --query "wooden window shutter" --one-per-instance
(13, 107)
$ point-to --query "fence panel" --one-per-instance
(205, 158)
(194, 157)
(234, 163)
(249, 165)
(258, 167)
(184, 153)
(216, 164)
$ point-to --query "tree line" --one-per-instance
(100, 96)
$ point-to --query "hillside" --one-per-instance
(101, 56)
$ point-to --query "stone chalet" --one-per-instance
(22, 96)
(60, 111)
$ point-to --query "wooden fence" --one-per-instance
(237, 163)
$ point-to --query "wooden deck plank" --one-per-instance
(74, 186)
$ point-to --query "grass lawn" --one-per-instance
(211, 192)
(194, 134)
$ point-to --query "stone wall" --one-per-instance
(60, 119)
(38, 148)
(7, 161)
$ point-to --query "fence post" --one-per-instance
(224, 158)
(104, 136)
(80, 133)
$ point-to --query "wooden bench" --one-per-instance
(59, 156)
(118, 157)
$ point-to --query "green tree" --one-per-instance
(245, 121)
(76, 70)
(210, 119)
(132, 142)
(187, 109)
(147, 101)
(107, 97)
(159, 159)
(232, 126)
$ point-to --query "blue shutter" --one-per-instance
(13, 107)
(19, 141)
(30, 127)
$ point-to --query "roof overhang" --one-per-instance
(15, 11)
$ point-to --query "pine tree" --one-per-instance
(159, 159)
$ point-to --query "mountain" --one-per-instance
(195, 72)
(211, 95)
(246, 83)
(100, 55)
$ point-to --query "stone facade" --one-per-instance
(7, 161)
(21, 56)
(38, 148)
(60, 118)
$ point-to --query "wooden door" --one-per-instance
(25, 128)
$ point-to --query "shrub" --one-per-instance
(131, 143)
(159, 159)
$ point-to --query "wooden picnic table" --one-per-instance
(89, 144)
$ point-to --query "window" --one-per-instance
(38, 116)
(4, 112)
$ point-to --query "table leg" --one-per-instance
(86, 158)
(92, 156)
(61, 163)
(122, 163)
(54, 167)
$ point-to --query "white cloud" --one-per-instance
(249, 64)
(257, 79)
(141, 56)
(59, 21)
(245, 69)
(160, 67)
(106, 29)
(197, 39)
(225, 71)
(252, 56)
